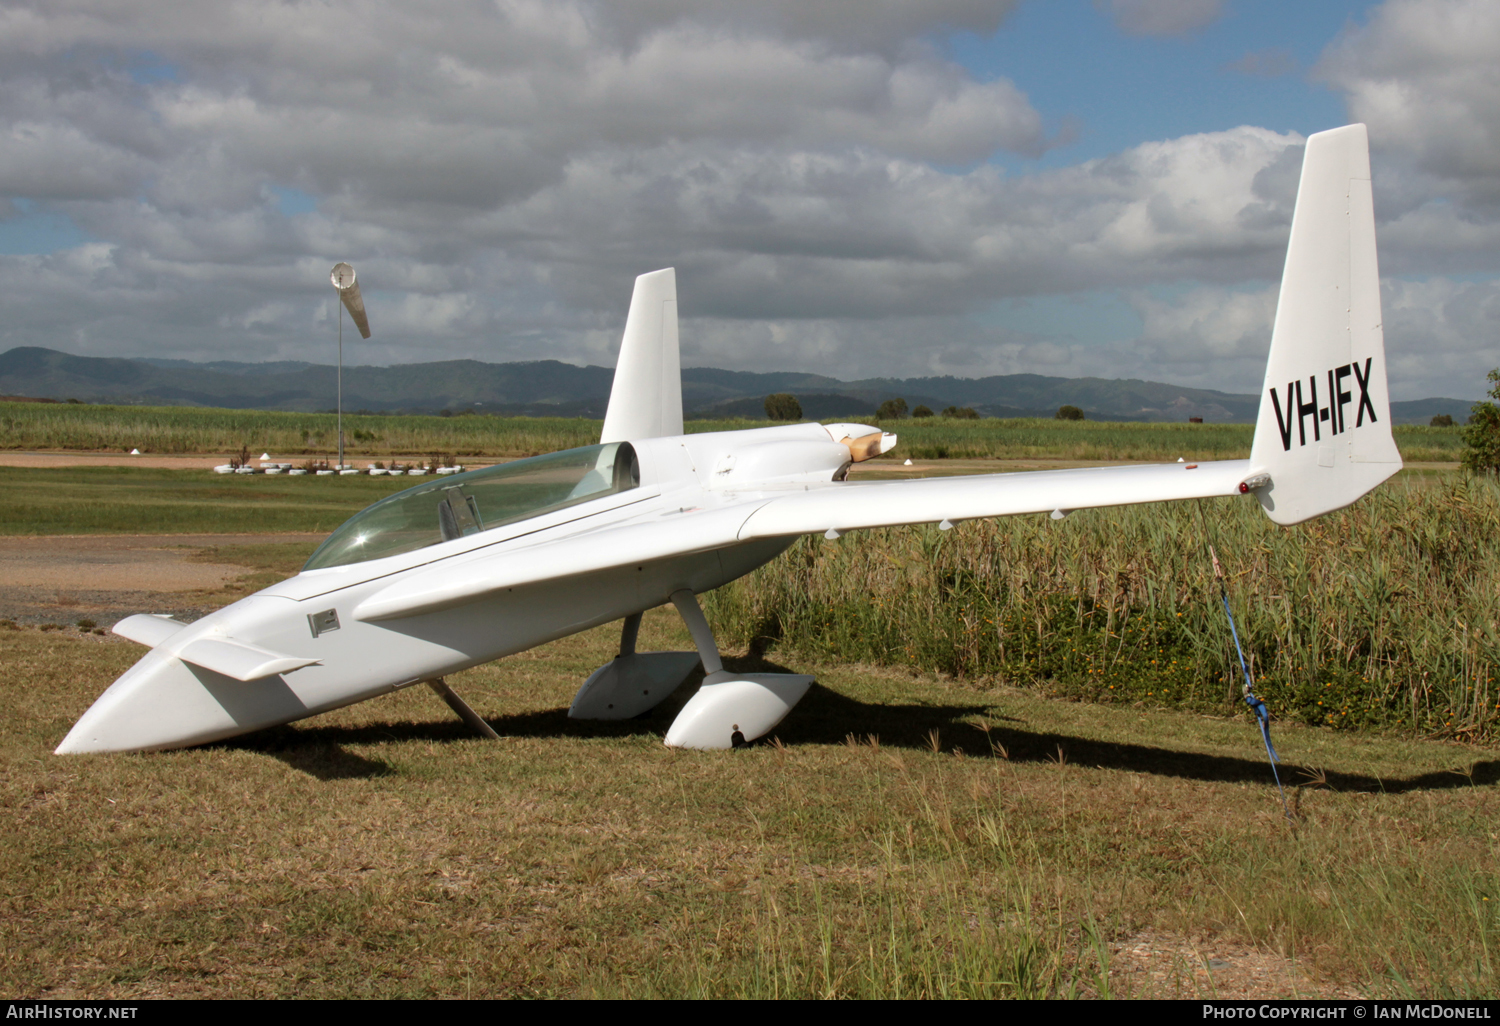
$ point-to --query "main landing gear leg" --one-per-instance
(730, 709)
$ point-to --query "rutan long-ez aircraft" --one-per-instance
(470, 568)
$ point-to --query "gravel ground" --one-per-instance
(62, 578)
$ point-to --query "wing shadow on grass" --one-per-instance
(827, 717)
(1028, 746)
(312, 752)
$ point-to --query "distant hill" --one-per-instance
(551, 388)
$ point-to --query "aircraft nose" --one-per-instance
(162, 702)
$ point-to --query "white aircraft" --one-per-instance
(464, 570)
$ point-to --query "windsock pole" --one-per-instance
(341, 383)
(347, 284)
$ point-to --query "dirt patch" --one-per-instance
(109, 459)
(1159, 965)
(61, 579)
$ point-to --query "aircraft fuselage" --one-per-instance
(167, 701)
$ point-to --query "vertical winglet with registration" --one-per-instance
(1324, 430)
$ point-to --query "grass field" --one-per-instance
(177, 429)
(920, 827)
(906, 837)
(131, 500)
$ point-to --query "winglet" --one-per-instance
(239, 660)
(149, 629)
(1324, 431)
(646, 400)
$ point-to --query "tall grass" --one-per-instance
(1032, 438)
(942, 438)
(1385, 614)
(176, 429)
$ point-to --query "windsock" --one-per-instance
(344, 281)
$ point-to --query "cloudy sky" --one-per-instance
(852, 187)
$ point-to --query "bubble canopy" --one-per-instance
(464, 504)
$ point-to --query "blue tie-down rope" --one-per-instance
(1262, 714)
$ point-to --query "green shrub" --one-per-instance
(1482, 433)
(782, 406)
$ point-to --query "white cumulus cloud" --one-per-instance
(827, 182)
(1423, 74)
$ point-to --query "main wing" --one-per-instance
(840, 507)
(930, 500)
